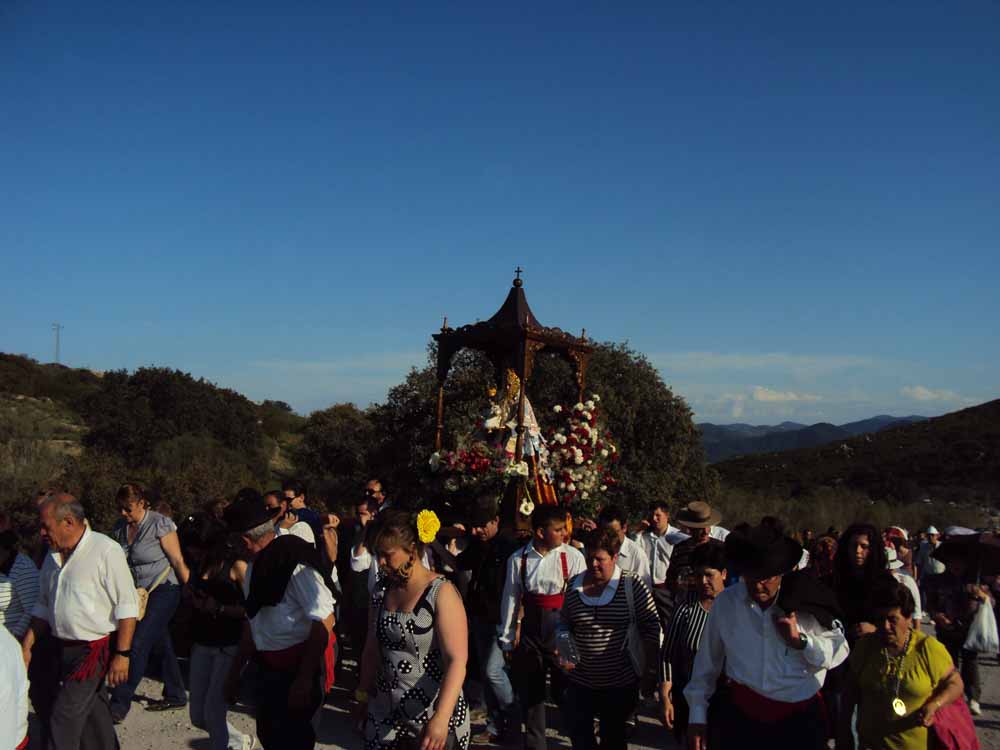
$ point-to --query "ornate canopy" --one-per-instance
(510, 339)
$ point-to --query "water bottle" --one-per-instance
(566, 648)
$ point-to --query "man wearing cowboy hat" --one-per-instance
(774, 657)
(697, 519)
(290, 618)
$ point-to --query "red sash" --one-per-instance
(767, 710)
(95, 661)
(287, 660)
(543, 601)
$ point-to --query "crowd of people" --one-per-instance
(742, 638)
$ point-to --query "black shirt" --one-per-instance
(488, 563)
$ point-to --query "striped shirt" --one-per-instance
(681, 644)
(599, 626)
(18, 592)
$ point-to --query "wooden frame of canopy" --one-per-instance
(510, 339)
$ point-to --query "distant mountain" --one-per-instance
(722, 442)
(878, 423)
(953, 457)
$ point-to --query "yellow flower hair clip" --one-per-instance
(428, 526)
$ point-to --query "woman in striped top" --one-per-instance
(603, 683)
(684, 635)
(18, 586)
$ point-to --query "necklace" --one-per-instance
(898, 707)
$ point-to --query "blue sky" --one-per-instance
(792, 209)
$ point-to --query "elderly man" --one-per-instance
(698, 519)
(86, 595)
(290, 621)
(774, 653)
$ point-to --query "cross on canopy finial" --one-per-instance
(517, 280)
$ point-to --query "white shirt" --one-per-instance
(911, 585)
(13, 692)
(543, 575)
(18, 594)
(84, 597)
(632, 557)
(717, 532)
(742, 639)
(288, 623)
(300, 529)
(658, 549)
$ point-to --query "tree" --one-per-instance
(332, 455)
(660, 447)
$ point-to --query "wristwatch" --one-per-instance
(126, 652)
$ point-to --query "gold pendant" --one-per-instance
(898, 707)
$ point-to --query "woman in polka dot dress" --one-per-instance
(413, 666)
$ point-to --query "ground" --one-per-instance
(172, 730)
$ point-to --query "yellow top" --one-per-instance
(925, 663)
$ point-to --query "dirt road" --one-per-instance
(147, 730)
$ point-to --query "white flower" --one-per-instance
(435, 461)
(557, 408)
(589, 404)
(595, 397)
(604, 453)
(578, 407)
(562, 485)
(571, 487)
(586, 415)
(584, 496)
(578, 459)
(603, 487)
(589, 463)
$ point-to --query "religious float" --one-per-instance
(510, 452)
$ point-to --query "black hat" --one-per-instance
(762, 552)
(247, 511)
(481, 512)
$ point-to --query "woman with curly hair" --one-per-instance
(413, 665)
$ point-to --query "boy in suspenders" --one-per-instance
(534, 586)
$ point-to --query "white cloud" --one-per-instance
(760, 393)
(922, 393)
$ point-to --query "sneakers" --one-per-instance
(249, 742)
(974, 708)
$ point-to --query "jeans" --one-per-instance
(153, 630)
(612, 706)
(498, 691)
(209, 667)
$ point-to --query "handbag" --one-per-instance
(142, 594)
(982, 636)
(633, 638)
(953, 728)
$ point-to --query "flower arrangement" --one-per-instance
(428, 526)
(582, 455)
(473, 465)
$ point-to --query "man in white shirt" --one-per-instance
(631, 556)
(290, 621)
(775, 660)
(534, 587)
(86, 595)
(658, 542)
